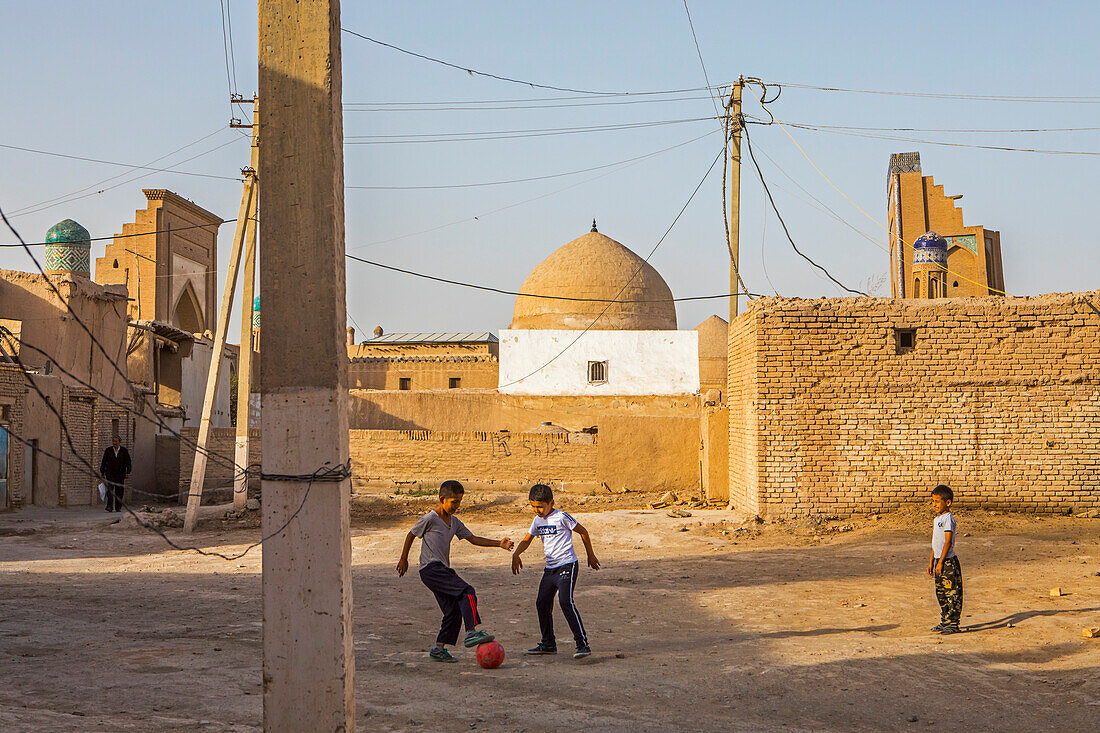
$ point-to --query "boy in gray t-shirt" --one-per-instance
(456, 597)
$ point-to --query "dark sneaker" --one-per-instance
(950, 630)
(542, 649)
(440, 654)
(476, 637)
(937, 627)
(582, 652)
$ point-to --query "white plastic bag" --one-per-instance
(102, 492)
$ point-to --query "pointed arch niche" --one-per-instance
(187, 314)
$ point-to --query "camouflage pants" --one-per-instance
(949, 592)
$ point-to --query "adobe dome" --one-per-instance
(595, 266)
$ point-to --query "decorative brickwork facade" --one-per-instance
(849, 405)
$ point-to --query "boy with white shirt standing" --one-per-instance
(944, 565)
(555, 527)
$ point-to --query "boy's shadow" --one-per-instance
(1016, 618)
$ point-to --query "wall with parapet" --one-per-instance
(999, 398)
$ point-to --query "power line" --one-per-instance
(945, 143)
(534, 198)
(417, 138)
(485, 106)
(129, 165)
(511, 80)
(501, 291)
(125, 236)
(941, 129)
(699, 53)
(614, 97)
(117, 175)
(940, 95)
(760, 173)
(225, 46)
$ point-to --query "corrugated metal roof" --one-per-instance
(433, 338)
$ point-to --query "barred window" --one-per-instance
(597, 372)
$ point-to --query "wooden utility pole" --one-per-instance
(308, 661)
(244, 360)
(734, 113)
(213, 375)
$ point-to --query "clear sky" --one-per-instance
(133, 81)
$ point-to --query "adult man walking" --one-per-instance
(114, 467)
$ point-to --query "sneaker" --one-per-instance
(950, 630)
(476, 637)
(542, 649)
(582, 652)
(440, 654)
(937, 627)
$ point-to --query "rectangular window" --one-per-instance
(597, 372)
(905, 339)
(454, 382)
(404, 383)
(114, 427)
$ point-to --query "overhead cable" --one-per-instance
(942, 95)
(475, 72)
(786, 231)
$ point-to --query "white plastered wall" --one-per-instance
(638, 362)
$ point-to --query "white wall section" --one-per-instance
(638, 362)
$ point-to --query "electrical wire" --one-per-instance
(945, 143)
(487, 107)
(938, 95)
(130, 165)
(942, 129)
(786, 231)
(535, 198)
(418, 138)
(125, 236)
(511, 80)
(501, 291)
(117, 175)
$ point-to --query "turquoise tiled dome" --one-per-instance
(256, 312)
(68, 248)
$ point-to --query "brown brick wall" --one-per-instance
(218, 485)
(12, 404)
(1000, 399)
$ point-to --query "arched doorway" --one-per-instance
(187, 315)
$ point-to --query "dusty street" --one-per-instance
(796, 626)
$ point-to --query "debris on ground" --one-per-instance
(679, 514)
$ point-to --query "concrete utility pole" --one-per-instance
(213, 375)
(734, 112)
(244, 362)
(308, 654)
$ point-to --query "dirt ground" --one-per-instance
(705, 622)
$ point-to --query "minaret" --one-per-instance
(929, 266)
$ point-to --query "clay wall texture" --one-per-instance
(649, 453)
(220, 469)
(510, 461)
(488, 410)
(999, 398)
(423, 372)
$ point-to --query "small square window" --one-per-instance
(454, 382)
(597, 372)
(404, 383)
(905, 339)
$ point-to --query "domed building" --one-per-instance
(594, 318)
(595, 269)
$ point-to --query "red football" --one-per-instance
(490, 655)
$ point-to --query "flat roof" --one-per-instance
(433, 338)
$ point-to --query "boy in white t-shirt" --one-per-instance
(944, 565)
(555, 527)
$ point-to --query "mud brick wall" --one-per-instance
(218, 484)
(13, 386)
(998, 398)
(505, 460)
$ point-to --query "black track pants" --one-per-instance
(561, 580)
(456, 598)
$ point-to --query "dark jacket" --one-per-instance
(114, 468)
